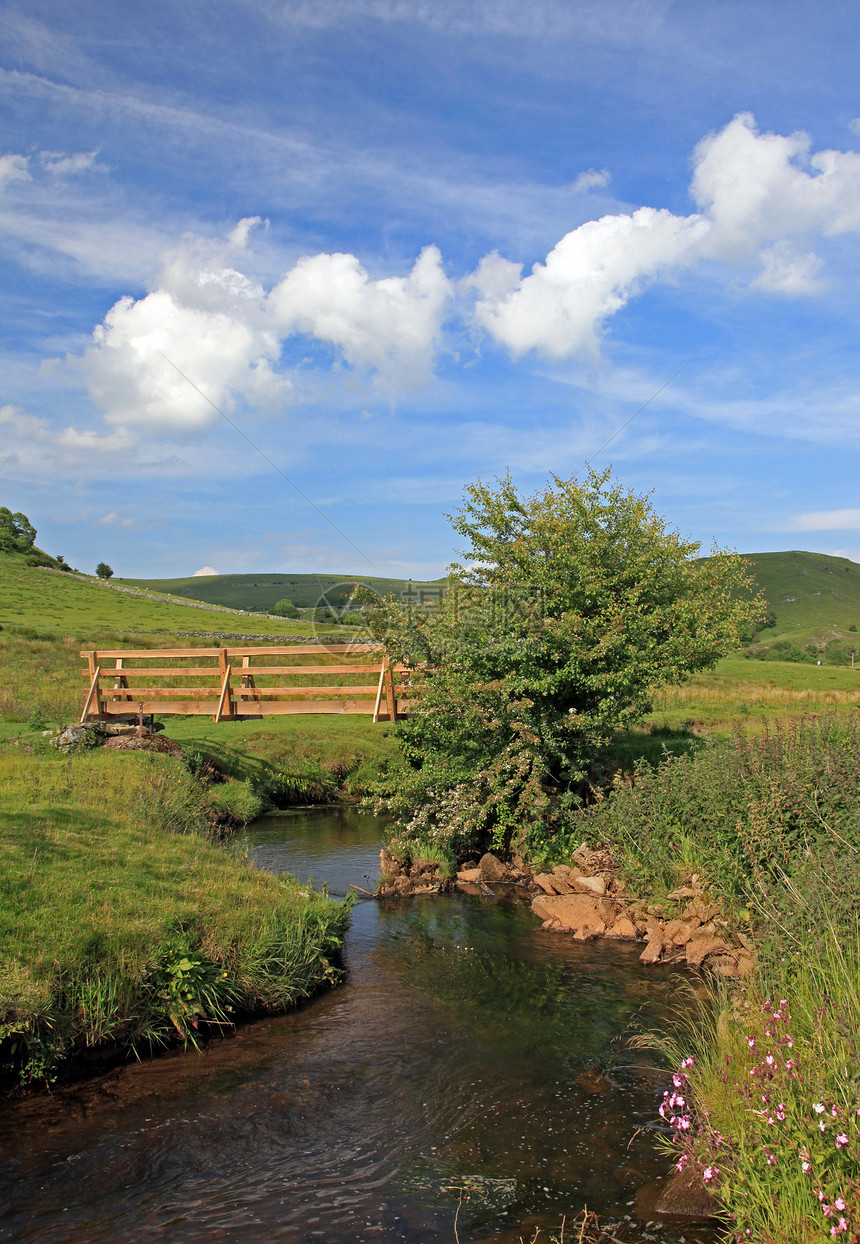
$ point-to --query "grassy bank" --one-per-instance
(122, 925)
(766, 1097)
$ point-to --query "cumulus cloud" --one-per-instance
(203, 572)
(763, 201)
(391, 325)
(208, 323)
(760, 196)
(559, 308)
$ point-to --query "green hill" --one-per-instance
(260, 592)
(46, 600)
(815, 597)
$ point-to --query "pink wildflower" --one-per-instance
(839, 1203)
(709, 1173)
(818, 1107)
(780, 1112)
(841, 1140)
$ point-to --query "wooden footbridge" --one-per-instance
(235, 684)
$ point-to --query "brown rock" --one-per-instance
(684, 891)
(389, 864)
(469, 874)
(622, 927)
(724, 965)
(576, 912)
(492, 869)
(703, 945)
(652, 951)
(546, 882)
(679, 932)
(745, 966)
(590, 885)
(562, 885)
(687, 1196)
(562, 870)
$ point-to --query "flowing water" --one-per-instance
(470, 1081)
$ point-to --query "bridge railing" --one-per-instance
(239, 683)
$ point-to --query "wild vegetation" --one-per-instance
(766, 1092)
(570, 608)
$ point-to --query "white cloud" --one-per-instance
(13, 168)
(588, 276)
(755, 188)
(63, 165)
(207, 321)
(826, 520)
(786, 270)
(591, 179)
(115, 520)
(391, 325)
(203, 572)
(757, 193)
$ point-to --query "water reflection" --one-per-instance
(471, 1060)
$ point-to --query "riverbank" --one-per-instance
(124, 927)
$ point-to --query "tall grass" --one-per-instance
(121, 923)
(741, 812)
(766, 1088)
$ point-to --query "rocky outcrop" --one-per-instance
(585, 899)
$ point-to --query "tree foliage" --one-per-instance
(17, 533)
(284, 609)
(104, 571)
(568, 608)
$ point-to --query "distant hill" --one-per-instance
(815, 597)
(259, 592)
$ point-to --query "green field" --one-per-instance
(261, 591)
(68, 604)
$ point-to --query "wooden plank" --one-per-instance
(308, 691)
(178, 708)
(369, 668)
(278, 708)
(225, 700)
(152, 653)
(115, 693)
(334, 650)
(390, 699)
(177, 671)
(94, 692)
(379, 689)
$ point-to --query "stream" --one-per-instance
(470, 1080)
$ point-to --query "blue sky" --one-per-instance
(403, 244)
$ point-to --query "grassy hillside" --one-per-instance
(815, 597)
(262, 591)
(47, 600)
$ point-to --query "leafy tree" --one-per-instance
(284, 609)
(17, 533)
(104, 571)
(569, 607)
